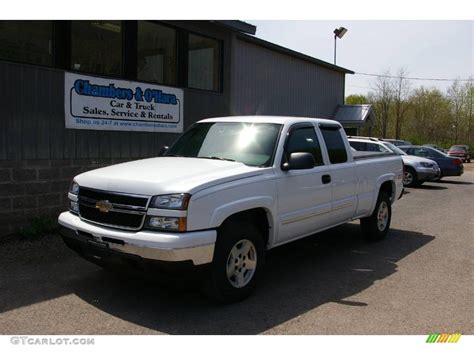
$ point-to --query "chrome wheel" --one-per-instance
(407, 178)
(241, 263)
(382, 216)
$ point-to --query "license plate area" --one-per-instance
(97, 244)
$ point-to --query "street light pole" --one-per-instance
(338, 33)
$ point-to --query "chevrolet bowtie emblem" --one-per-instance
(103, 205)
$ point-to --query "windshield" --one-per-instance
(458, 147)
(249, 143)
(395, 149)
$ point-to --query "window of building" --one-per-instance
(335, 145)
(304, 140)
(27, 41)
(156, 53)
(96, 47)
(204, 63)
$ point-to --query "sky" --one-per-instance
(426, 49)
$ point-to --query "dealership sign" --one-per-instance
(119, 105)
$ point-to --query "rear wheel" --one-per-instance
(377, 225)
(239, 257)
(410, 178)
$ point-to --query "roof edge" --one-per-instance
(236, 25)
(281, 49)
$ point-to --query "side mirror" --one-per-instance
(299, 161)
(163, 150)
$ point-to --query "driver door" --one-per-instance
(304, 196)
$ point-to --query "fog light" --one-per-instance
(74, 207)
(167, 223)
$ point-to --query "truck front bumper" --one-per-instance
(197, 247)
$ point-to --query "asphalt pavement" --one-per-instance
(417, 281)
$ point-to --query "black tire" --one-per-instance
(370, 227)
(410, 179)
(219, 285)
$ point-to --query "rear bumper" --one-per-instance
(194, 247)
(453, 172)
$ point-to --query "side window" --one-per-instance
(335, 145)
(360, 146)
(305, 140)
(373, 147)
(433, 153)
(421, 152)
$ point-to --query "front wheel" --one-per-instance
(410, 178)
(377, 225)
(239, 257)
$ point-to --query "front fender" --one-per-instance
(221, 213)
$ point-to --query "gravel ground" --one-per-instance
(418, 281)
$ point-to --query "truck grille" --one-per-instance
(126, 212)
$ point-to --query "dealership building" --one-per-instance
(77, 95)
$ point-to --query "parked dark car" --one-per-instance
(396, 142)
(460, 151)
(449, 166)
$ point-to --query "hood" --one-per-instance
(163, 175)
(415, 159)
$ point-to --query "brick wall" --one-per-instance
(38, 188)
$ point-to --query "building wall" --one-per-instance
(269, 82)
(39, 156)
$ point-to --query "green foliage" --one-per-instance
(430, 115)
(356, 100)
(38, 226)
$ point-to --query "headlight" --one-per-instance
(426, 165)
(74, 188)
(171, 202)
(175, 224)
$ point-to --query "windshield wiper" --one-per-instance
(217, 158)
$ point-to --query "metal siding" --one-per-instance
(268, 82)
(32, 101)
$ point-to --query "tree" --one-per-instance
(457, 99)
(381, 97)
(356, 100)
(401, 89)
(430, 117)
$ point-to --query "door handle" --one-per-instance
(326, 179)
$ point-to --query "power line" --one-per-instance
(411, 78)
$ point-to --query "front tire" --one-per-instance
(377, 225)
(239, 257)
(410, 179)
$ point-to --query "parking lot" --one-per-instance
(417, 281)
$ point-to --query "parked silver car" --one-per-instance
(417, 170)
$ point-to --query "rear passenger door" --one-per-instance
(343, 174)
(304, 196)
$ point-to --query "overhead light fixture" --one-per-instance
(340, 32)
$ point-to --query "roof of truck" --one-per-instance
(270, 119)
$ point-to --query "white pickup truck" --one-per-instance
(225, 192)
